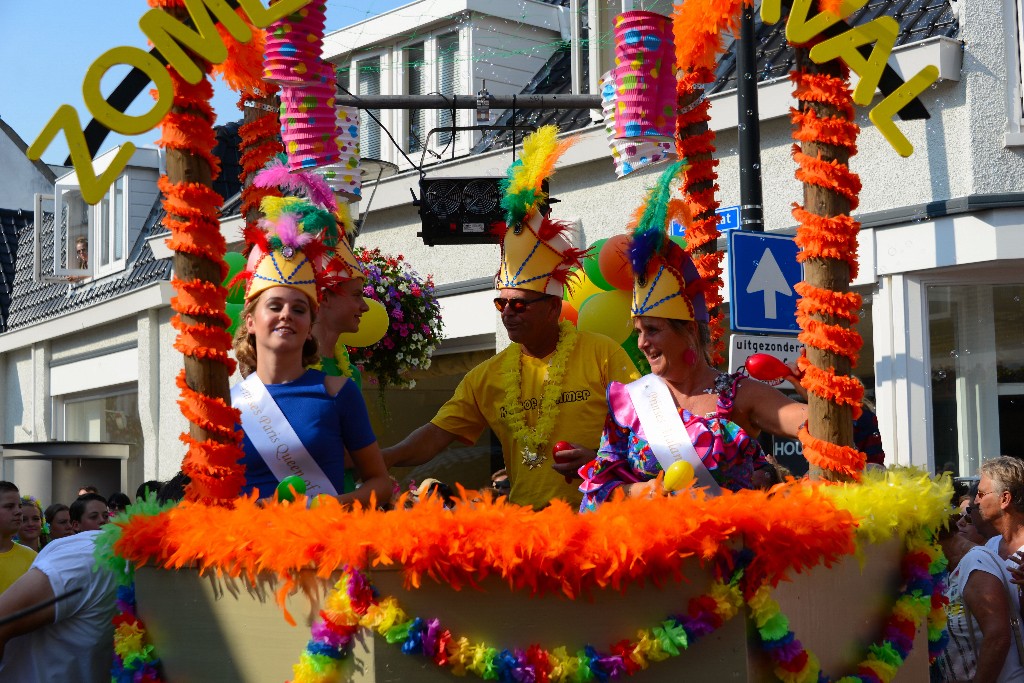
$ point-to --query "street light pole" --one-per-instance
(749, 128)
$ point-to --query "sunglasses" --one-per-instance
(517, 305)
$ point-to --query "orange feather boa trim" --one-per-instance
(843, 460)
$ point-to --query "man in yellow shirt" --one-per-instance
(14, 559)
(549, 384)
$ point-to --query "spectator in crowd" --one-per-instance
(1000, 502)
(117, 503)
(82, 252)
(58, 520)
(148, 488)
(31, 533)
(981, 641)
(72, 639)
(87, 489)
(14, 559)
(89, 512)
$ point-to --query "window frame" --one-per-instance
(1013, 14)
(384, 88)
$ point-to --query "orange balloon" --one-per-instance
(569, 313)
(613, 260)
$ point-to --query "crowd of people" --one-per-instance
(56, 603)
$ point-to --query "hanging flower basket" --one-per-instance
(414, 317)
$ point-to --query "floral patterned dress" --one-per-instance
(624, 457)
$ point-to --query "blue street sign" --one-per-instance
(728, 219)
(762, 272)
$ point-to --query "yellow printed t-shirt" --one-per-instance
(13, 564)
(479, 402)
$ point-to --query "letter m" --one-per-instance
(168, 35)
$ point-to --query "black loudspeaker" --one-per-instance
(460, 210)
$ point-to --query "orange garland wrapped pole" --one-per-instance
(260, 133)
(696, 142)
(698, 26)
(193, 209)
(827, 236)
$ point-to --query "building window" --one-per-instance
(108, 418)
(416, 84)
(368, 82)
(108, 249)
(72, 233)
(977, 374)
(447, 82)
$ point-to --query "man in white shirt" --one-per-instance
(71, 639)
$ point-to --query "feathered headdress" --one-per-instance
(535, 253)
(297, 183)
(666, 283)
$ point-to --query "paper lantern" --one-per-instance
(294, 46)
(630, 154)
(644, 76)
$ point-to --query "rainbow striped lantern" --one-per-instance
(294, 46)
(345, 176)
(308, 123)
(645, 83)
(629, 154)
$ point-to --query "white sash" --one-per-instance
(666, 434)
(275, 440)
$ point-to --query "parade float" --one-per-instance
(836, 578)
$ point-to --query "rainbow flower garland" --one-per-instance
(924, 571)
(428, 638)
(135, 659)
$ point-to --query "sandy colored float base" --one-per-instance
(210, 629)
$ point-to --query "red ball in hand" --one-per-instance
(557, 452)
(766, 368)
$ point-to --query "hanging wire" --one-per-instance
(386, 131)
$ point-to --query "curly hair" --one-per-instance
(244, 343)
(1008, 475)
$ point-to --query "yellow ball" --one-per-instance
(372, 327)
(678, 476)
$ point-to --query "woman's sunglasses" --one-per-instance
(517, 305)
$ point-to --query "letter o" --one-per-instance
(117, 121)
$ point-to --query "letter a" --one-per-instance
(882, 32)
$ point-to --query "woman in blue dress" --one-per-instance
(297, 421)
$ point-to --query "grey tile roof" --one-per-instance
(11, 223)
(32, 302)
(918, 20)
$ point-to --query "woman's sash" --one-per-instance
(275, 439)
(664, 429)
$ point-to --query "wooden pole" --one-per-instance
(827, 420)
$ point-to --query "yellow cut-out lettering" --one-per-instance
(800, 29)
(117, 121)
(93, 186)
(168, 35)
(882, 32)
(885, 111)
(263, 17)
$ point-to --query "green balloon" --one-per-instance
(635, 354)
(289, 487)
(233, 311)
(593, 269)
(236, 263)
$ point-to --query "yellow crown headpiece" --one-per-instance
(535, 254)
(341, 264)
(287, 247)
(666, 284)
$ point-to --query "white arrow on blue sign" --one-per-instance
(762, 273)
